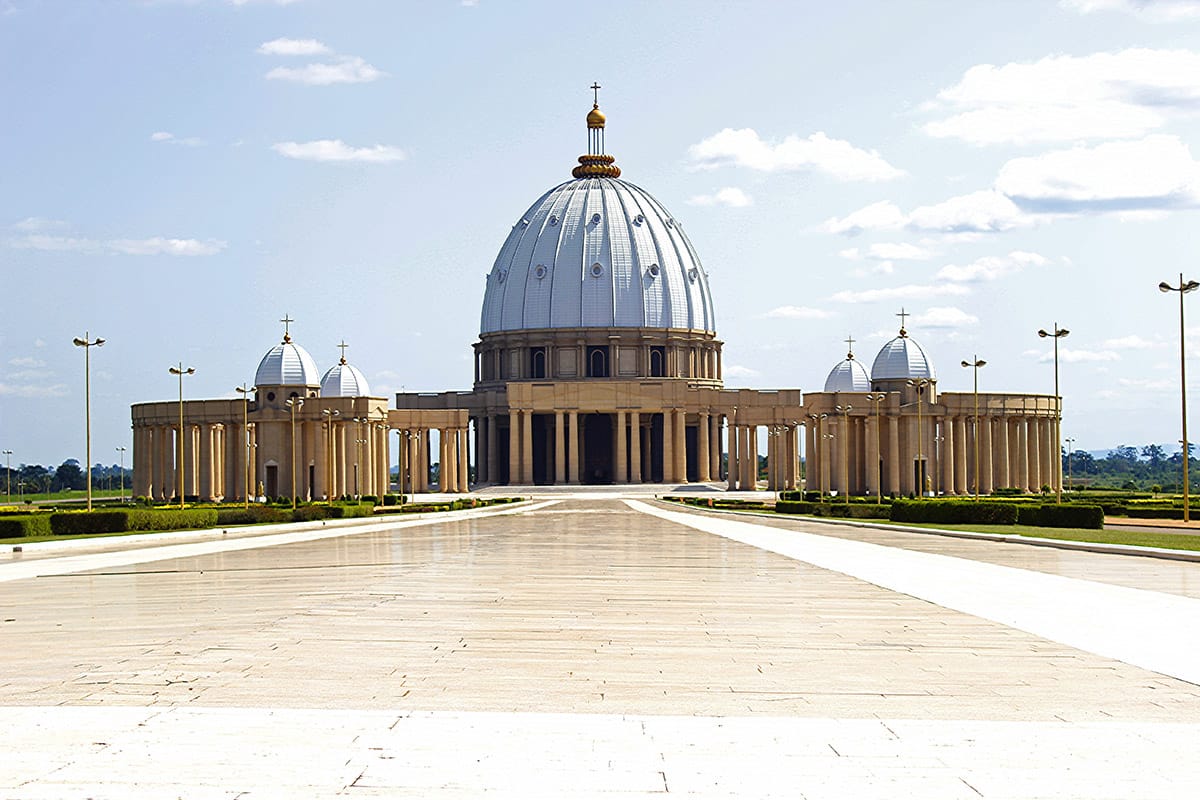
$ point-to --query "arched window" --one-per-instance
(658, 361)
(597, 362)
(537, 362)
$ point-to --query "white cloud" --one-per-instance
(1155, 173)
(32, 390)
(985, 211)
(1148, 10)
(1143, 383)
(1071, 356)
(293, 47)
(888, 251)
(907, 292)
(257, 2)
(39, 224)
(1121, 95)
(738, 371)
(170, 138)
(349, 69)
(337, 150)
(799, 312)
(990, 268)
(744, 148)
(26, 361)
(729, 196)
(881, 216)
(944, 317)
(157, 245)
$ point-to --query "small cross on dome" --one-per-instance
(287, 321)
(902, 315)
(343, 347)
(850, 347)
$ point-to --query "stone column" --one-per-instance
(443, 483)
(491, 448)
(560, 448)
(635, 447)
(1001, 455)
(621, 473)
(1049, 473)
(1022, 453)
(514, 447)
(872, 449)
(748, 460)
(811, 481)
(681, 445)
(527, 448)
(668, 439)
(985, 455)
(464, 460)
(1034, 436)
(573, 448)
(964, 449)
(714, 447)
(733, 467)
(423, 468)
(702, 445)
(205, 489)
(414, 458)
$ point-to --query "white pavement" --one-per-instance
(592, 648)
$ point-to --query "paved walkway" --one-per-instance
(593, 647)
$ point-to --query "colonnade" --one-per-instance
(1014, 451)
(783, 457)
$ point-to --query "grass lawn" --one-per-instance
(1173, 541)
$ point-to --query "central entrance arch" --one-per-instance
(597, 448)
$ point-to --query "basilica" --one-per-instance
(597, 362)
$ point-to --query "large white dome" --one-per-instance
(287, 364)
(344, 380)
(597, 252)
(848, 376)
(900, 359)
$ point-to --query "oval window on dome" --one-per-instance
(597, 270)
(595, 219)
(539, 271)
(639, 219)
(501, 275)
(553, 220)
(693, 274)
(653, 270)
(670, 222)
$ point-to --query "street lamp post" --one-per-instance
(876, 400)
(180, 371)
(919, 384)
(1182, 288)
(293, 403)
(1058, 334)
(845, 446)
(245, 391)
(1070, 449)
(975, 364)
(121, 475)
(87, 343)
(8, 476)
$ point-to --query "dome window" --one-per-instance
(524, 223)
(653, 270)
(595, 219)
(597, 270)
(553, 220)
(500, 276)
(639, 219)
(539, 271)
(693, 274)
(670, 222)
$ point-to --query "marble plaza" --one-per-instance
(595, 646)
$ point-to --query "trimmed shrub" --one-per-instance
(860, 511)
(393, 499)
(1008, 491)
(954, 511)
(1076, 516)
(796, 507)
(1154, 513)
(369, 498)
(13, 527)
(168, 519)
(252, 515)
(812, 497)
(347, 511)
(73, 523)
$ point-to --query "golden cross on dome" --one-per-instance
(595, 87)
(343, 347)
(287, 321)
(849, 347)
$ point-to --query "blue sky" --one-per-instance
(176, 176)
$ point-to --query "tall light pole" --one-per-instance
(87, 343)
(1070, 449)
(975, 364)
(293, 403)
(8, 476)
(1059, 333)
(245, 391)
(876, 400)
(1182, 288)
(121, 450)
(845, 448)
(919, 384)
(180, 371)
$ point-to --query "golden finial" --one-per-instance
(902, 317)
(287, 321)
(596, 164)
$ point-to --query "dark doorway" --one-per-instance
(312, 480)
(272, 488)
(597, 448)
(919, 476)
(654, 464)
(501, 476)
(543, 449)
(692, 436)
(597, 362)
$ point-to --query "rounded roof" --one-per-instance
(287, 364)
(597, 252)
(901, 358)
(848, 376)
(344, 380)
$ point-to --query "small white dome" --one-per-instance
(287, 364)
(344, 380)
(848, 376)
(901, 359)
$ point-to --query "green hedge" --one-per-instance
(73, 523)
(954, 511)
(838, 510)
(252, 515)
(1066, 516)
(796, 507)
(167, 519)
(1155, 513)
(13, 527)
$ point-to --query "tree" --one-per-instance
(1155, 455)
(70, 476)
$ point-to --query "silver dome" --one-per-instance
(901, 358)
(597, 252)
(344, 380)
(287, 364)
(848, 376)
